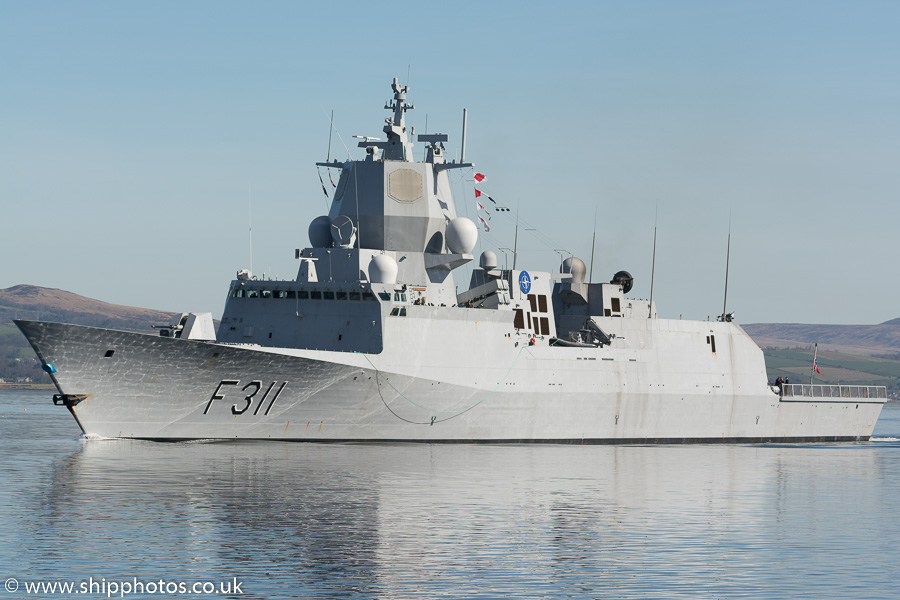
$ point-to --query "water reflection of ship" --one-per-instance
(416, 518)
(249, 510)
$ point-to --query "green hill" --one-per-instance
(836, 368)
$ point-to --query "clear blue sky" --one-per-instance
(130, 132)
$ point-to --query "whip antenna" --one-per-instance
(725, 316)
(330, 129)
(250, 223)
(593, 241)
(653, 267)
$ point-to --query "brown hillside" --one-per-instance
(48, 304)
(853, 339)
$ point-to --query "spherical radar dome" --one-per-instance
(382, 269)
(461, 235)
(320, 232)
(488, 260)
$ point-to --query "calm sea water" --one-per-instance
(294, 520)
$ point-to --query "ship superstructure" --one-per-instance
(373, 341)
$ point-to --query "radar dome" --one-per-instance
(320, 232)
(488, 260)
(461, 235)
(382, 269)
(576, 267)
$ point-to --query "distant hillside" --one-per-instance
(47, 304)
(18, 361)
(867, 340)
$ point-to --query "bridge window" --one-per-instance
(370, 297)
(253, 293)
(542, 303)
(355, 296)
(238, 293)
(533, 300)
(291, 294)
(341, 295)
(302, 295)
(384, 296)
(315, 295)
(329, 295)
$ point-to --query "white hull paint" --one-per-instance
(164, 388)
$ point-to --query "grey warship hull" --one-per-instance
(168, 389)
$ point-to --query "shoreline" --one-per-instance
(27, 386)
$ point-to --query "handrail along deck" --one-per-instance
(790, 390)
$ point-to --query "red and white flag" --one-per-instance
(479, 177)
(479, 193)
(486, 211)
(483, 222)
(816, 361)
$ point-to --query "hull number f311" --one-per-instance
(251, 389)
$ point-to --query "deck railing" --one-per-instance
(790, 390)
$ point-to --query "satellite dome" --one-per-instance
(461, 235)
(488, 260)
(382, 269)
(576, 267)
(320, 232)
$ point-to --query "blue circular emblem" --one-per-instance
(524, 282)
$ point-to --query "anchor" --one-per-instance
(68, 400)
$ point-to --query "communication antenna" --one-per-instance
(653, 268)
(250, 223)
(516, 238)
(330, 130)
(462, 157)
(425, 149)
(593, 241)
(725, 316)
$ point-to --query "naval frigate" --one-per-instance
(372, 341)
